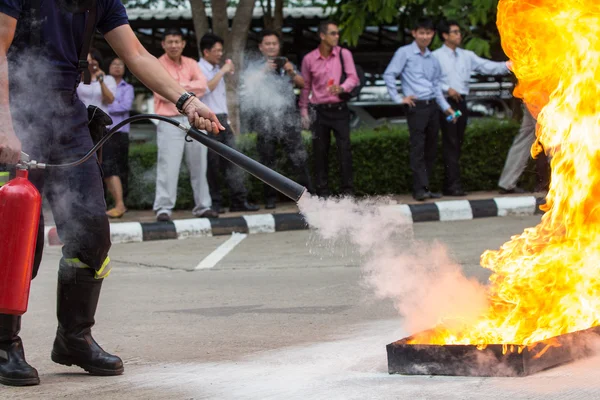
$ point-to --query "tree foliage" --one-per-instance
(477, 18)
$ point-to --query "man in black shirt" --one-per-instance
(40, 46)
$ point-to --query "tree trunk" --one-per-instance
(278, 17)
(220, 21)
(235, 46)
(273, 21)
(200, 20)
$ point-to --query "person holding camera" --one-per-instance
(282, 125)
(101, 91)
(322, 70)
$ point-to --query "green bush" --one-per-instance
(380, 159)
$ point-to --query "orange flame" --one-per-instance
(546, 281)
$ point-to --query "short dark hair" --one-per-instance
(423, 23)
(268, 32)
(444, 27)
(172, 32)
(324, 25)
(208, 41)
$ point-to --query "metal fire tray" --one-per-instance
(467, 360)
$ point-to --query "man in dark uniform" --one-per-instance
(39, 52)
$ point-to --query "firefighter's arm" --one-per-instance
(152, 74)
(10, 146)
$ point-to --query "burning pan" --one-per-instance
(467, 360)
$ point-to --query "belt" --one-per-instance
(424, 102)
(331, 106)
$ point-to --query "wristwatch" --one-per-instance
(182, 99)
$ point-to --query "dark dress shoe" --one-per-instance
(219, 209)
(163, 217)
(515, 190)
(245, 206)
(455, 193)
(208, 214)
(419, 196)
(433, 195)
(270, 205)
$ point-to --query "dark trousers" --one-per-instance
(423, 126)
(75, 194)
(235, 177)
(453, 135)
(336, 118)
(115, 159)
(290, 138)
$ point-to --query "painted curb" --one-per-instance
(451, 210)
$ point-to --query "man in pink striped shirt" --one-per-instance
(171, 140)
(322, 72)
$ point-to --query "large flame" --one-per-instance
(546, 281)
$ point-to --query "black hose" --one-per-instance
(283, 184)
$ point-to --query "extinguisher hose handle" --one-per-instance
(111, 132)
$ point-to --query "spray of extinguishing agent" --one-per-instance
(21, 203)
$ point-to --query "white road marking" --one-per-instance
(213, 258)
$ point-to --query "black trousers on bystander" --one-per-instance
(423, 126)
(332, 117)
(453, 135)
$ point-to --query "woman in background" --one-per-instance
(115, 156)
(101, 91)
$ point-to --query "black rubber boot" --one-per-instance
(14, 370)
(78, 294)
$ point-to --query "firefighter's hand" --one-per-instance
(10, 146)
(201, 117)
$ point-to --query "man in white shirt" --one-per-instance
(211, 47)
(457, 66)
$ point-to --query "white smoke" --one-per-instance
(425, 284)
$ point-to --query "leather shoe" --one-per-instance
(270, 205)
(219, 209)
(433, 195)
(209, 213)
(515, 190)
(419, 196)
(455, 193)
(163, 217)
(245, 206)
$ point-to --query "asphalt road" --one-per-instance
(281, 316)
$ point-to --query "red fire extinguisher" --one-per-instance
(20, 207)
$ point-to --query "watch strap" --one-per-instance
(182, 99)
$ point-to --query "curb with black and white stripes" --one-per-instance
(453, 210)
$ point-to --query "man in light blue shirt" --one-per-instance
(457, 66)
(420, 75)
(211, 48)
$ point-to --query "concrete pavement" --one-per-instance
(281, 316)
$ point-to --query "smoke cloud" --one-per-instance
(426, 286)
(268, 105)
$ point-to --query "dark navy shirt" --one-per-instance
(61, 36)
